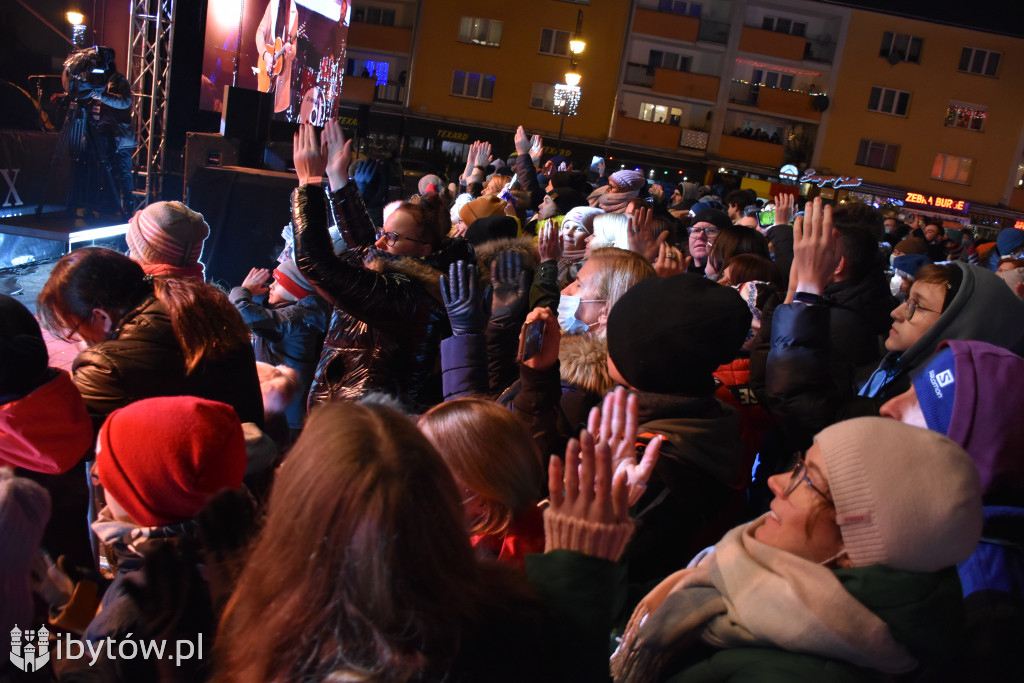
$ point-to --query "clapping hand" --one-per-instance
(308, 155)
(256, 281)
(339, 154)
(817, 249)
(642, 238)
(617, 424)
(783, 208)
(549, 244)
(511, 283)
(465, 302)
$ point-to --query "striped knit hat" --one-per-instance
(293, 285)
(905, 497)
(167, 233)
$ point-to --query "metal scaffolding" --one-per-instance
(150, 37)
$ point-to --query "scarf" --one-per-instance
(130, 542)
(748, 594)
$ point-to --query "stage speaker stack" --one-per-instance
(246, 118)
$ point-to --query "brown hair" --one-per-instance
(497, 183)
(489, 451)
(431, 215)
(363, 566)
(750, 267)
(620, 269)
(735, 240)
(205, 323)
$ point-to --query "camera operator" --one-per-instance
(92, 78)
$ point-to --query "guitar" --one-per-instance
(268, 72)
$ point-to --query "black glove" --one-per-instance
(511, 282)
(466, 304)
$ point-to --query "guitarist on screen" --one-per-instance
(275, 43)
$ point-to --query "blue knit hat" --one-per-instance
(1009, 241)
(935, 385)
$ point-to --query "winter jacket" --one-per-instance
(524, 536)
(526, 173)
(696, 491)
(754, 418)
(144, 359)
(388, 320)
(290, 334)
(48, 430)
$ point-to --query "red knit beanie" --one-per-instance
(162, 458)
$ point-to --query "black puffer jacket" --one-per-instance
(144, 360)
(388, 320)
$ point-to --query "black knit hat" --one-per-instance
(667, 335)
(491, 228)
(22, 348)
(566, 198)
(717, 218)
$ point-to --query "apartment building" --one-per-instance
(932, 119)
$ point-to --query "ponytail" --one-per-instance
(206, 324)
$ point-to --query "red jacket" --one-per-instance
(524, 536)
(754, 417)
(48, 430)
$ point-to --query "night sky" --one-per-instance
(999, 16)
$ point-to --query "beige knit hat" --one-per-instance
(481, 207)
(905, 497)
(167, 232)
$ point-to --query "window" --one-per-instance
(469, 84)
(953, 169)
(554, 42)
(660, 114)
(773, 79)
(374, 15)
(668, 60)
(480, 31)
(899, 47)
(675, 7)
(783, 25)
(977, 61)
(542, 96)
(877, 154)
(889, 101)
(965, 116)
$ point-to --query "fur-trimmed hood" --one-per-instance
(488, 251)
(583, 359)
(427, 270)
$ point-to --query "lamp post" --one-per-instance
(77, 21)
(567, 95)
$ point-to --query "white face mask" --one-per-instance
(567, 320)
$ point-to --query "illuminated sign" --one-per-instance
(452, 135)
(348, 121)
(1019, 225)
(918, 199)
(789, 172)
(836, 181)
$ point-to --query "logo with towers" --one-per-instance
(30, 650)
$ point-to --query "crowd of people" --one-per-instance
(532, 423)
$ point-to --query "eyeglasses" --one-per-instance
(709, 232)
(391, 238)
(913, 306)
(799, 475)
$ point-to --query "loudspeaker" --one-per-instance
(208, 149)
(246, 118)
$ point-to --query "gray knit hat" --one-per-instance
(905, 497)
(167, 233)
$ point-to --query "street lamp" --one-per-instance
(77, 21)
(567, 96)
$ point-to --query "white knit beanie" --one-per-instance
(905, 497)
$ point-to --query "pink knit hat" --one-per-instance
(167, 233)
(905, 497)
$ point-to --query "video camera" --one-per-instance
(88, 70)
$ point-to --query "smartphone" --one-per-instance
(531, 341)
(766, 219)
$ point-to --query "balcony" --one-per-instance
(820, 50)
(685, 84)
(390, 93)
(360, 90)
(639, 74)
(779, 45)
(666, 25)
(713, 32)
(379, 38)
(646, 133)
(751, 151)
(792, 103)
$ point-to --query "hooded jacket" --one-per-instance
(984, 309)
(48, 430)
(388, 320)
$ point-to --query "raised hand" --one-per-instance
(783, 208)
(536, 149)
(617, 424)
(657, 191)
(256, 281)
(817, 249)
(584, 487)
(463, 299)
(549, 244)
(370, 183)
(483, 154)
(339, 154)
(669, 262)
(642, 238)
(522, 141)
(511, 283)
(309, 156)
